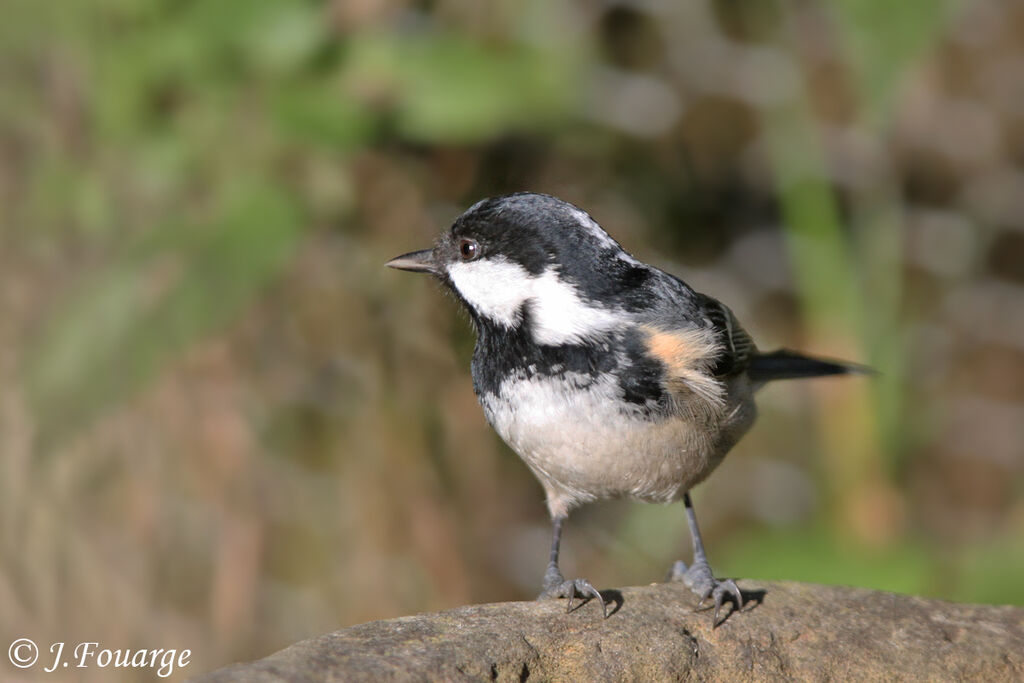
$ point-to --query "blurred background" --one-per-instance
(225, 426)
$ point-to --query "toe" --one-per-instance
(677, 572)
(710, 592)
(726, 591)
(584, 589)
(572, 589)
(719, 595)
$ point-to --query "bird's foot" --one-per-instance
(699, 579)
(556, 586)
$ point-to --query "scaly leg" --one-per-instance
(698, 577)
(557, 586)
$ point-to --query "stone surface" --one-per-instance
(793, 631)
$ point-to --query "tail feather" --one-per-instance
(785, 364)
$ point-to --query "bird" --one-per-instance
(608, 377)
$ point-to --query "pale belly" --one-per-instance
(583, 446)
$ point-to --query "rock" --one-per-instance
(790, 631)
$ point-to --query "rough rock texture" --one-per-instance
(797, 631)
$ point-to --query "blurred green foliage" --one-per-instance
(165, 291)
(205, 99)
(884, 40)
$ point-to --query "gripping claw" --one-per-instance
(699, 579)
(555, 586)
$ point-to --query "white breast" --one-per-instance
(582, 446)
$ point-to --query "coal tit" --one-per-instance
(609, 377)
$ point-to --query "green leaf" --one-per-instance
(885, 38)
(320, 115)
(449, 89)
(165, 292)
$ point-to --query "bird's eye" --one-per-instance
(469, 249)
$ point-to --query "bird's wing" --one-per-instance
(736, 348)
(686, 356)
(698, 343)
(728, 349)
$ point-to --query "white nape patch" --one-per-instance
(600, 235)
(595, 230)
(560, 316)
(496, 288)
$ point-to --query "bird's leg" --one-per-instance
(698, 577)
(557, 586)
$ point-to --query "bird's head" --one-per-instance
(532, 257)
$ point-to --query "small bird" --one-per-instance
(609, 377)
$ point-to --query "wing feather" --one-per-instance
(736, 348)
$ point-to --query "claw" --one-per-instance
(596, 594)
(718, 610)
(736, 593)
(574, 588)
(722, 588)
(701, 581)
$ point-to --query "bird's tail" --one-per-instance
(785, 364)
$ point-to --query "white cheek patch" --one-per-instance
(560, 316)
(495, 288)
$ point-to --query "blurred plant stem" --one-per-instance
(852, 288)
(883, 41)
(834, 307)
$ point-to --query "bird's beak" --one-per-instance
(417, 261)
